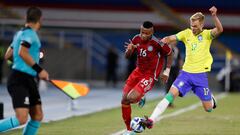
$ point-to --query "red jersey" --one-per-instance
(150, 55)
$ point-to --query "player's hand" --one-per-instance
(164, 40)
(164, 78)
(43, 75)
(130, 46)
(165, 75)
(213, 10)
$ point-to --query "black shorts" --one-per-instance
(23, 89)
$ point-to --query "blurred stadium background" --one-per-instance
(76, 35)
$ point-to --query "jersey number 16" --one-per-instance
(143, 53)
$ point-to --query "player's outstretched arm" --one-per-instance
(169, 39)
(218, 25)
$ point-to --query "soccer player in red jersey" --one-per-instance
(150, 59)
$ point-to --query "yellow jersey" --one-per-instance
(198, 57)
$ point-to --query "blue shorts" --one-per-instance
(197, 82)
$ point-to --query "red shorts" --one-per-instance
(139, 81)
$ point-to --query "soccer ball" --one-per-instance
(136, 126)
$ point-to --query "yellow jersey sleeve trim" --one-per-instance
(177, 38)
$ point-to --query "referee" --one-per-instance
(22, 87)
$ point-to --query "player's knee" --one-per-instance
(38, 116)
(22, 119)
(208, 106)
(132, 99)
(125, 101)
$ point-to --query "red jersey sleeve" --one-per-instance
(165, 49)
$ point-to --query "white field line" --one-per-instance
(178, 112)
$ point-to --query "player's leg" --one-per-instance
(128, 99)
(207, 98)
(179, 88)
(33, 124)
(169, 83)
(136, 93)
(173, 75)
(134, 96)
(161, 107)
(145, 85)
(163, 104)
(126, 107)
(19, 119)
(20, 103)
(129, 96)
(202, 90)
(35, 111)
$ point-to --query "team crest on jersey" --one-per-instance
(26, 101)
(200, 38)
(150, 48)
(180, 84)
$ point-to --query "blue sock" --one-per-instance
(31, 127)
(8, 123)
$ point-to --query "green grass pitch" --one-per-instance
(225, 120)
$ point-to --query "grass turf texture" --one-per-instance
(225, 120)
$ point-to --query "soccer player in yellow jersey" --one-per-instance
(198, 61)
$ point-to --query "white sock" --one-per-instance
(159, 109)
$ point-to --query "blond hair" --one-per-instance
(197, 16)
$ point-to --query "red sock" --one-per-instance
(126, 115)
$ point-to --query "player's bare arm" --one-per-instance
(165, 74)
(218, 25)
(9, 54)
(24, 53)
(169, 39)
(129, 48)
